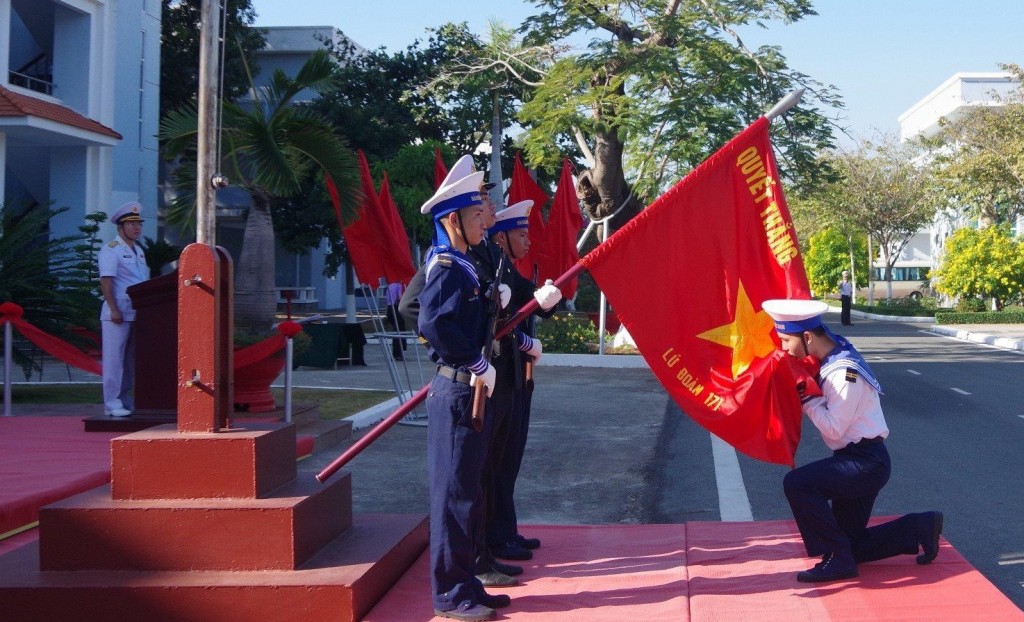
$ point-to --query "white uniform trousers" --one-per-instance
(118, 364)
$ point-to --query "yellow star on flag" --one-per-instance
(749, 334)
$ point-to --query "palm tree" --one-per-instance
(272, 150)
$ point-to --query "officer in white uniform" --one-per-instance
(121, 265)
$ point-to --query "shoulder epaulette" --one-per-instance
(112, 244)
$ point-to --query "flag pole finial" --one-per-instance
(785, 104)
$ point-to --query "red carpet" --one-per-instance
(45, 459)
(711, 572)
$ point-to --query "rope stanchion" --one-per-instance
(54, 346)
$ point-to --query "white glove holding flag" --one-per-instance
(535, 351)
(548, 295)
(488, 376)
(505, 293)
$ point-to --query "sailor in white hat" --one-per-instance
(511, 234)
(849, 417)
(451, 319)
(122, 264)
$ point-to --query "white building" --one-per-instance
(79, 106)
(952, 99)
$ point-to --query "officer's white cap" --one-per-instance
(515, 216)
(794, 315)
(129, 212)
(453, 186)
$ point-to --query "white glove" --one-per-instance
(535, 351)
(505, 293)
(489, 376)
(547, 295)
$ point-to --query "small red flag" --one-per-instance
(440, 170)
(523, 187)
(687, 278)
(564, 222)
(402, 269)
(367, 235)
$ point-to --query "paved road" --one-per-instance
(607, 446)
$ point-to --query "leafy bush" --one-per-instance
(970, 304)
(902, 307)
(1006, 316)
(567, 333)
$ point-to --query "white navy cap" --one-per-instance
(515, 216)
(795, 316)
(454, 194)
(129, 212)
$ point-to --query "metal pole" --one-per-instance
(603, 316)
(206, 162)
(289, 354)
(8, 351)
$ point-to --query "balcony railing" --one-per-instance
(33, 83)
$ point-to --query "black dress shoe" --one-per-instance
(511, 550)
(930, 540)
(507, 569)
(832, 567)
(467, 611)
(494, 601)
(527, 543)
(493, 578)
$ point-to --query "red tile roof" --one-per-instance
(17, 105)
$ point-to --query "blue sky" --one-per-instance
(883, 55)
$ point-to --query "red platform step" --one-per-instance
(341, 583)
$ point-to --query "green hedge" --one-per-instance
(901, 310)
(1006, 316)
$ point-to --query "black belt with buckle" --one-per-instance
(454, 374)
(870, 441)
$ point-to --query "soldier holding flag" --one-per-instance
(452, 320)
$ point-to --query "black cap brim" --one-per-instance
(488, 186)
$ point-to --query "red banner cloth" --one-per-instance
(54, 346)
(687, 278)
(440, 170)
(402, 267)
(268, 347)
(523, 187)
(364, 237)
(564, 223)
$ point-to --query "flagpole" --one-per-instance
(420, 395)
(785, 104)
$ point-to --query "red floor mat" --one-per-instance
(743, 572)
(43, 459)
(608, 573)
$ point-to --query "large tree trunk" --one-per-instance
(255, 299)
(603, 188)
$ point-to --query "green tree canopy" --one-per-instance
(660, 86)
(179, 50)
(828, 254)
(882, 190)
(988, 263)
(981, 157)
(274, 149)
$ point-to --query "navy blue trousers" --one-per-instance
(455, 460)
(850, 480)
(503, 524)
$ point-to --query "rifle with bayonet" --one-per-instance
(479, 390)
(531, 330)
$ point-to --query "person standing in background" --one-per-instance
(846, 298)
(122, 264)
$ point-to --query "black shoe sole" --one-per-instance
(928, 556)
(808, 577)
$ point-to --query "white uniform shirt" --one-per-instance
(127, 267)
(849, 410)
(845, 288)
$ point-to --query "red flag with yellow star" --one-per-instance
(687, 278)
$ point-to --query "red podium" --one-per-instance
(203, 520)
